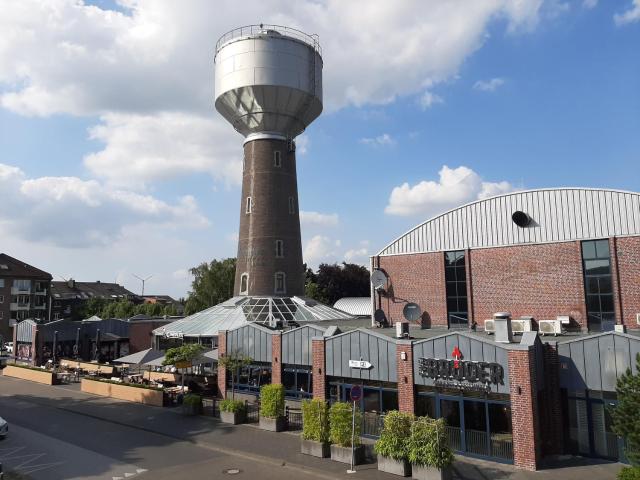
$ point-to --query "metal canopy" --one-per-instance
(239, 311)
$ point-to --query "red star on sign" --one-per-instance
(457, 354)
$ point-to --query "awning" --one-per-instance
(207, 357)
(142, 357)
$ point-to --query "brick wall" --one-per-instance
(628, 249)
(524, 415)
(276, 358)
(417, 278)
(406, 393)
(222, 372)
(540, 280)
(318, 373)
(141, 336)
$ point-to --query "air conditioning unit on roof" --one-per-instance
(521, 325)
(489, 326)
(550, 327)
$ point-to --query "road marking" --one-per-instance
(117, 478)
(127, 475)
(141, 470)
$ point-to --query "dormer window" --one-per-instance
(248, 206)
(277, 159)
(279, 249)
(280, 283)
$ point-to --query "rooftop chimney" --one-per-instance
(502, 322)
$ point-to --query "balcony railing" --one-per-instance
(19, 306)
(20, 291)
(41, 292)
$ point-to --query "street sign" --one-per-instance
(183, 364)
(356, 393)
(359, 364)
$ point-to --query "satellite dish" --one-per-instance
(412, 312)
(379, 316)
(378, 279)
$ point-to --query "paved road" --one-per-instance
(61, 433)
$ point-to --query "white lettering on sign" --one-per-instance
(359, 364)
(173, 334)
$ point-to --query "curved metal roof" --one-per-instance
(356, 306)
(557, 214)
(242, 310)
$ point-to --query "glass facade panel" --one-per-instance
(598, 285)
(456, 288)
(426, 406)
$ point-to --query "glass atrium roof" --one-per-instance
(273, 312)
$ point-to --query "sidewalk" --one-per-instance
(249, 442)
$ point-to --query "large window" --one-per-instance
(244, 283)
(297, 382)
(456, 278)
(251, 378)
(598, 285)
(22, 285)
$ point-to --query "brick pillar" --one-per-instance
(35, 347)
(319, 376)
(15, 341)
(615, 277)
(276, 358)
(406, 394)
(524, 409)
(551, 412)
(467, 267)
(222, 372)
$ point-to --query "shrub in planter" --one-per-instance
(232, 411)
(192, 404)
(428, 450)
(629, 473)
(272, 408)
(315, 428)
(392, 445)
(340, 418)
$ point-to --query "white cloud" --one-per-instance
(320, 249)
(630, 16)
(302, 144)
(143, 148)
(381, 140)
(456, 186)
(488, 85)
(589, 3)
(359, 254)
(71, 212)
(316, 219)
(429, 99)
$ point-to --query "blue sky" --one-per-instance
(113, 161)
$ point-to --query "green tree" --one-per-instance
(233, 362)
(333, 282)
(170, 310)
(93, 306)
(626, 415)
(186, 353)
(212, 284)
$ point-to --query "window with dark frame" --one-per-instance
(248, 206)
(244, 283)
(456, 288)
(280, 283)
(292, 206)
(297, 382)
(279, 249)
(598, 286)
(277, 159)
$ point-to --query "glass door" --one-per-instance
(475, 427)
(450, 411)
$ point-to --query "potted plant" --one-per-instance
(315, 428)
(232, 411)
(340, 435)
(192, 404)
(428, 450)
(272, 408)
(392, 444)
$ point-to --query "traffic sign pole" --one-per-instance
(356, 395)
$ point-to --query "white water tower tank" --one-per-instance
(268, 80)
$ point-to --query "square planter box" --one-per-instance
(430, 473)
(395, 467)
(316, 449)
(343, 454)
(273, 424)
(234, 418)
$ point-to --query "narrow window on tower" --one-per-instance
(279, 249)
(248, 206)
(244, 284)
(281, 285)
(277, 160)
(292, 207)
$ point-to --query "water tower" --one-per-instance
(269, 87)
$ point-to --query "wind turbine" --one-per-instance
(143, 280)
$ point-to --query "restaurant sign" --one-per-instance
(173, 334)
(462, 374)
